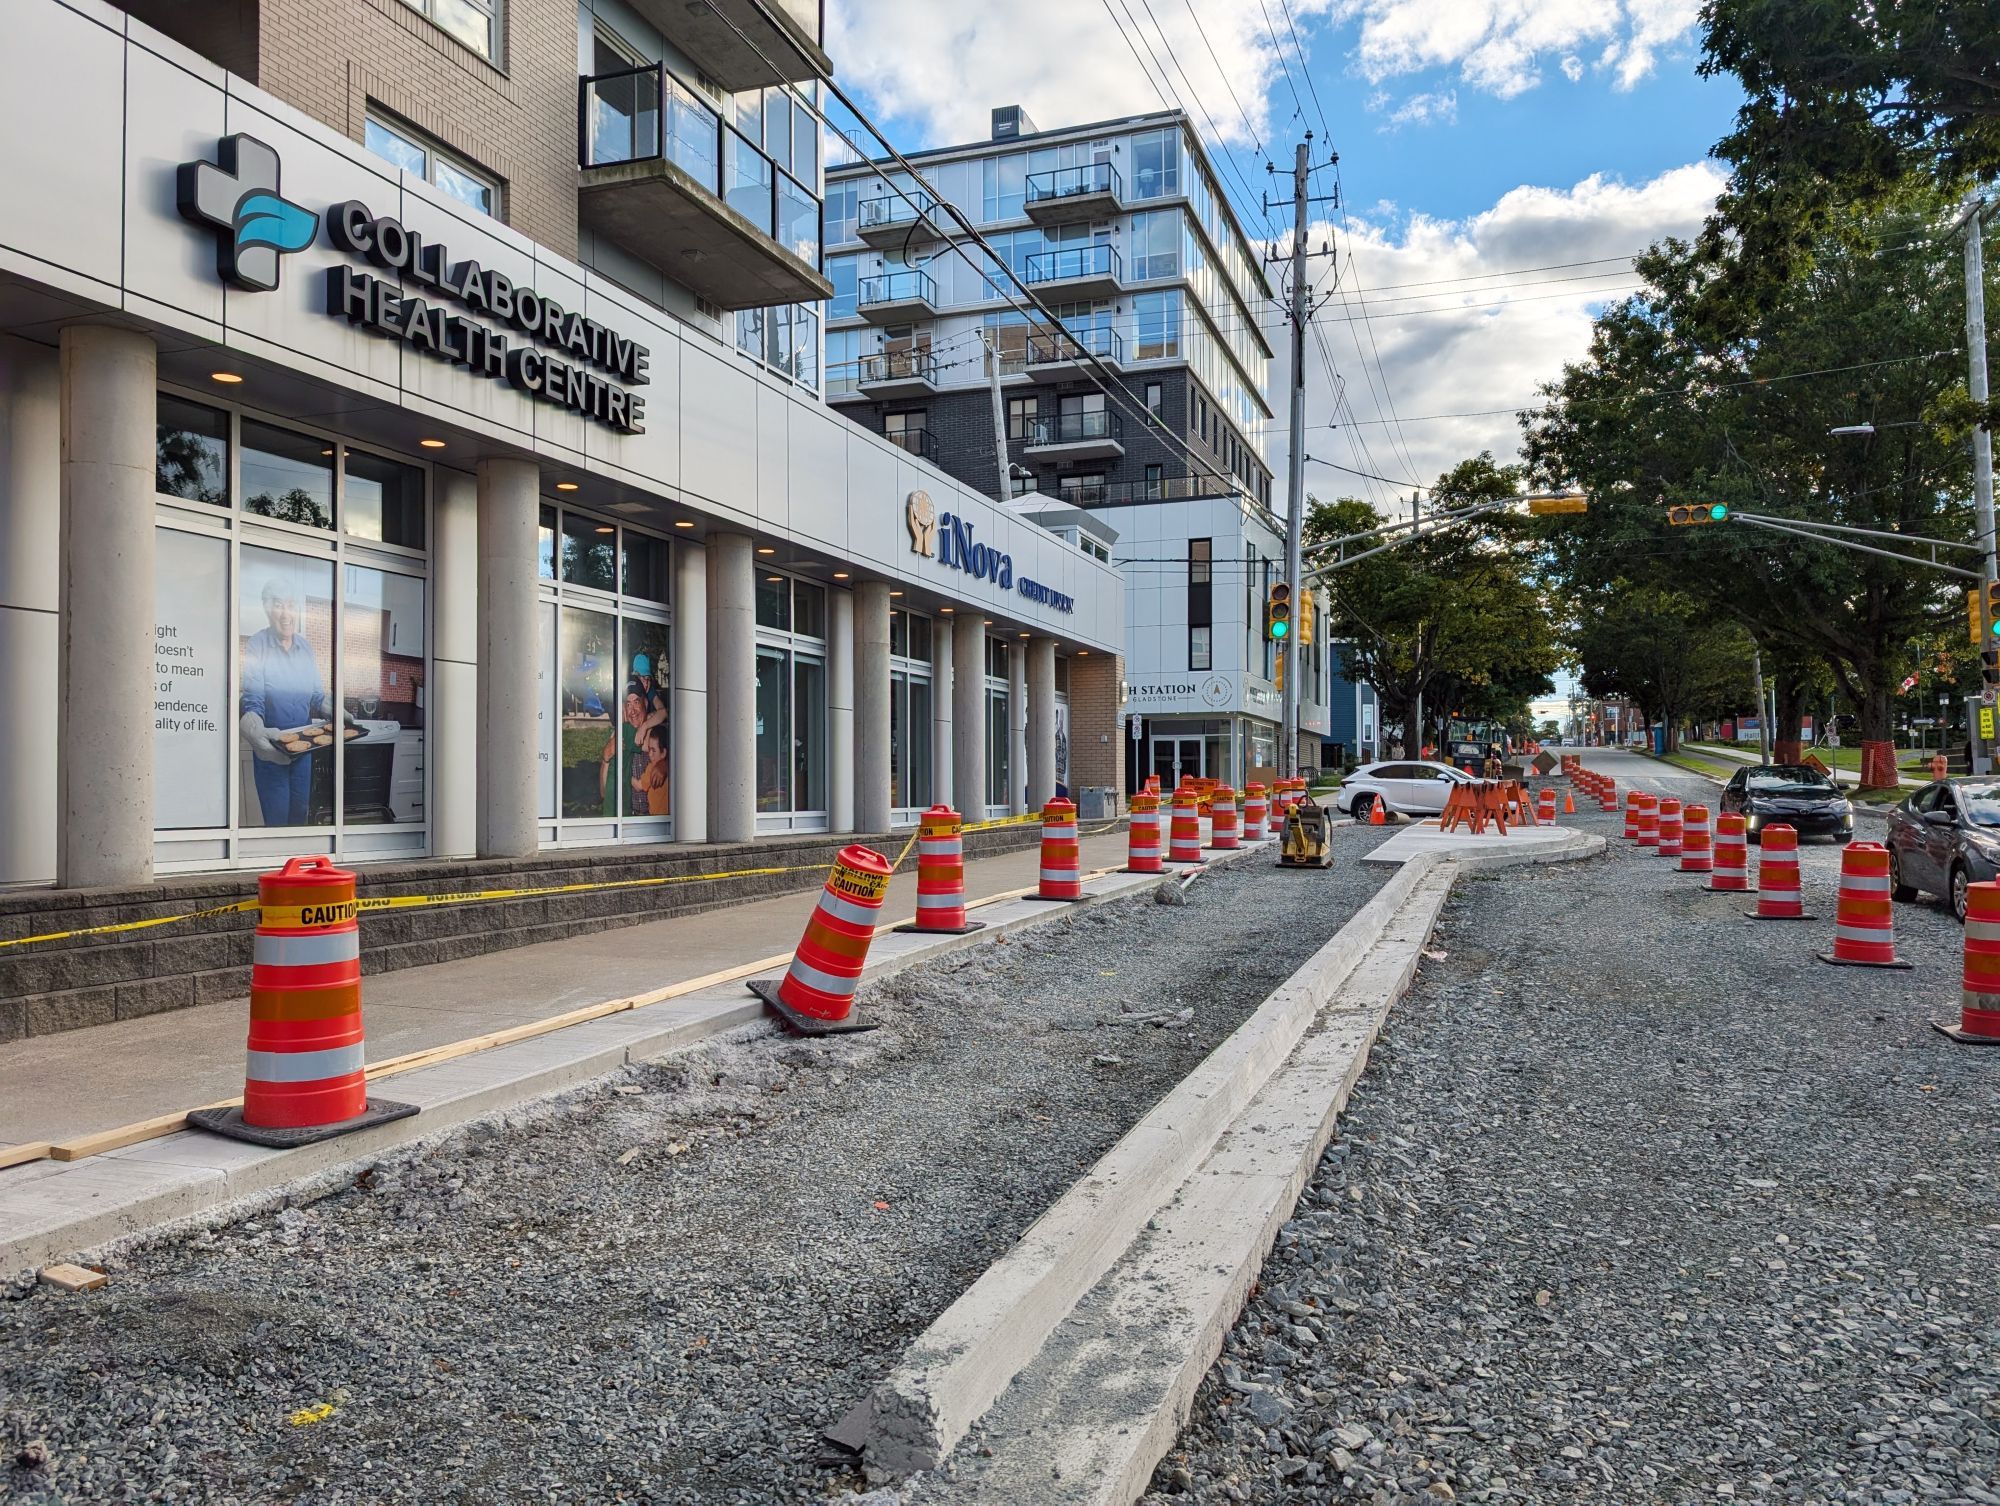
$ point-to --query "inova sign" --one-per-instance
(957, 548)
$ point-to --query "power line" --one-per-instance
(1560, 266)
(1324, 129)
(1223, 73)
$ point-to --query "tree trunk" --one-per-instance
(1788, 741)
(1878, 747)
(1413, 731)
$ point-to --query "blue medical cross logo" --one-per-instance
(237, 195)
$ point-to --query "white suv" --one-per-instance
(1404, 787)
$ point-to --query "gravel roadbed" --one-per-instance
(1637, 1203)
(664, 1285)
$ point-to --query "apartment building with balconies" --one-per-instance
(1148, 378)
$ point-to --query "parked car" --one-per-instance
(1944, 837)
(1795, 794)
(1405, 788)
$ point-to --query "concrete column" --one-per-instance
(968, 713)
(1017, 726)
(840, 711)
(30, 561)
(104, 667)
(451, 693)
(688, 733)
(942, 782)
(1042, 723)
(871, 707)
(732, 688)
(509, 732)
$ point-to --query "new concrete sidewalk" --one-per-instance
(79, 1082)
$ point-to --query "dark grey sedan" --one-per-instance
(1944, 837)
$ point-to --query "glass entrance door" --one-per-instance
(1174, 757)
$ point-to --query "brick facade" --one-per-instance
(1097, 725)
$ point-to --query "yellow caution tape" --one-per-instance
(134, 925)
(418, 901)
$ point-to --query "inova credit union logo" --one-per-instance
(237, 195)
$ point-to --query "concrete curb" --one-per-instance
(957, 1367)
(1060, 1347)
(51, 1210)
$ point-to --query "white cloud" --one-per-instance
(939, 69)
(1499, 45)
(1440, 108)
(1461, 328)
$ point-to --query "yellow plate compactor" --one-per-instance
(1305, 842)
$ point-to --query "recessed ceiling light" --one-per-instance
(895, 593)
(774, 577)
(684, 523)
(229, 378)
(605, 528)
(767, 549)
(1024, 635)
(840, 575)
(1080, 653)
(988, 622)
(947, 610)
(431, 444)
(327, 451)
(566, 486)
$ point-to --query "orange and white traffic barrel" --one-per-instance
(1979, 995)
(1281, 800)
(816, 995)
(1863, 927)
(941, 874)
(1545, 806)
(1778, 893)
(1632, 799)
(304, 1074)
(1649, 820)
(1607, 794)
(1731, 873)
(1670, 827)
(1184, 844)
(1255, 813)
(1062, 854)
(1222, 818)
(1697, 853)
(1144, 849)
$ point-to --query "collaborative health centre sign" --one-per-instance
(567, 360)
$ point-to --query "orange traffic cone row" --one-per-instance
(1778, 894)
(304, 1076)
(1863, 928)
(941, 875)
(816, 995)
(1979, 994)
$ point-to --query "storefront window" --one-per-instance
(791, 704)
(545, 544)
(605, 646)
(306, 732)
(910, 782)
(287, 476)
(191, 455)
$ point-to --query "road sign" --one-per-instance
(1986, 723)
(1138, 727)
(1543, 762)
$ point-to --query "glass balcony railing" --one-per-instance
(646, 114)
(1099, 259)
(1077, 428)
(888, 210)
(916, 441)
(1101, 341)
(1070, 182)
(899, 366)
(1160, 489)
(898, 287)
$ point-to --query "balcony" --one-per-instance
(843, 382)
(891, 222)
(1071, 194)
(1075, 272)
(915, 441)
(1060, 355)
(738, 46)
(897, 297)
(1134, 493)
(663, 178)
(899, 373)
(1095, 435)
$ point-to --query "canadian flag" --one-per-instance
(1908, 686)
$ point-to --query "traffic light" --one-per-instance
(1688, 515)
(1278, 613)
(1543, 507)
(1975, 616)
(1991, 637)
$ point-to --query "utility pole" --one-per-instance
(1288, 754)
(999, 419)
(1982, 441)
(1764, 728)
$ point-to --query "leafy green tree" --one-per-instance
(1450, 621)
(1845, 104)
(1663, 650)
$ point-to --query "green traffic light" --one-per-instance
(1280, 628)
(1717, 511)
